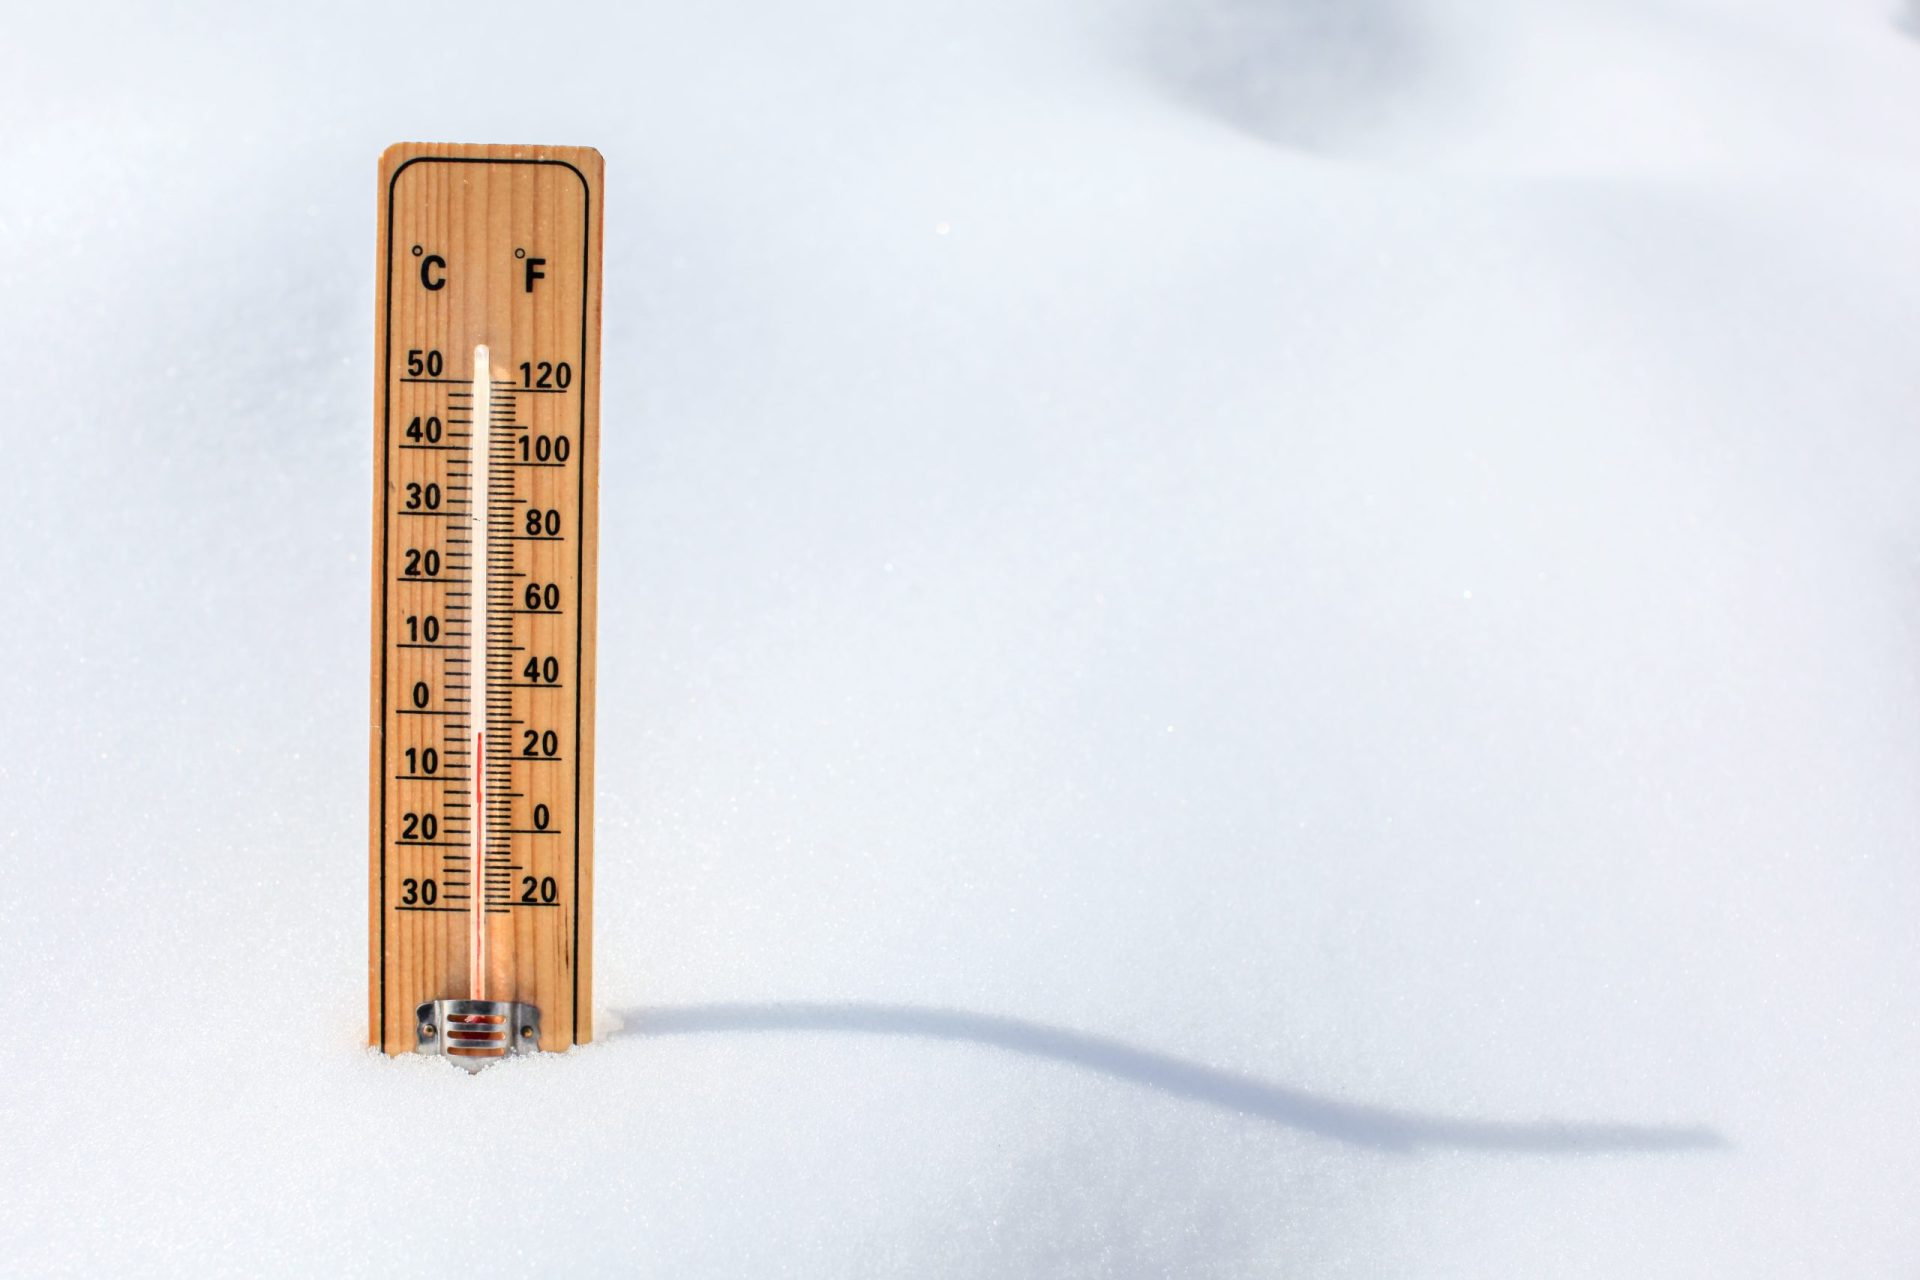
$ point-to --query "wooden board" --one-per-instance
(481, 864)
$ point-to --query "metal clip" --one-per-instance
(476, 1032)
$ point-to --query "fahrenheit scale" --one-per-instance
(486, 472)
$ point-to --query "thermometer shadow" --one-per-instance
(1358, 1124)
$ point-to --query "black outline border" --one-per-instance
(580, 551)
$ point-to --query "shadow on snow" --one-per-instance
(1381, 1128)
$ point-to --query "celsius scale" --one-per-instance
(486, 473)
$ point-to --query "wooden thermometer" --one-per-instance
(486, 471)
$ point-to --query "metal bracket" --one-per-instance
(476, 1032)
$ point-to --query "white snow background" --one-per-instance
(1238, 638)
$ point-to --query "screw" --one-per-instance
(526, 1033)
(426, 1031)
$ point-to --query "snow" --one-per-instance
(1237, 639)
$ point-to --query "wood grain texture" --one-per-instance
(496, 246)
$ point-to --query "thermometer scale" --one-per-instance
(486, 470)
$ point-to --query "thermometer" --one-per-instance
(486, 472)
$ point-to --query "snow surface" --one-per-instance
(1222, 622)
